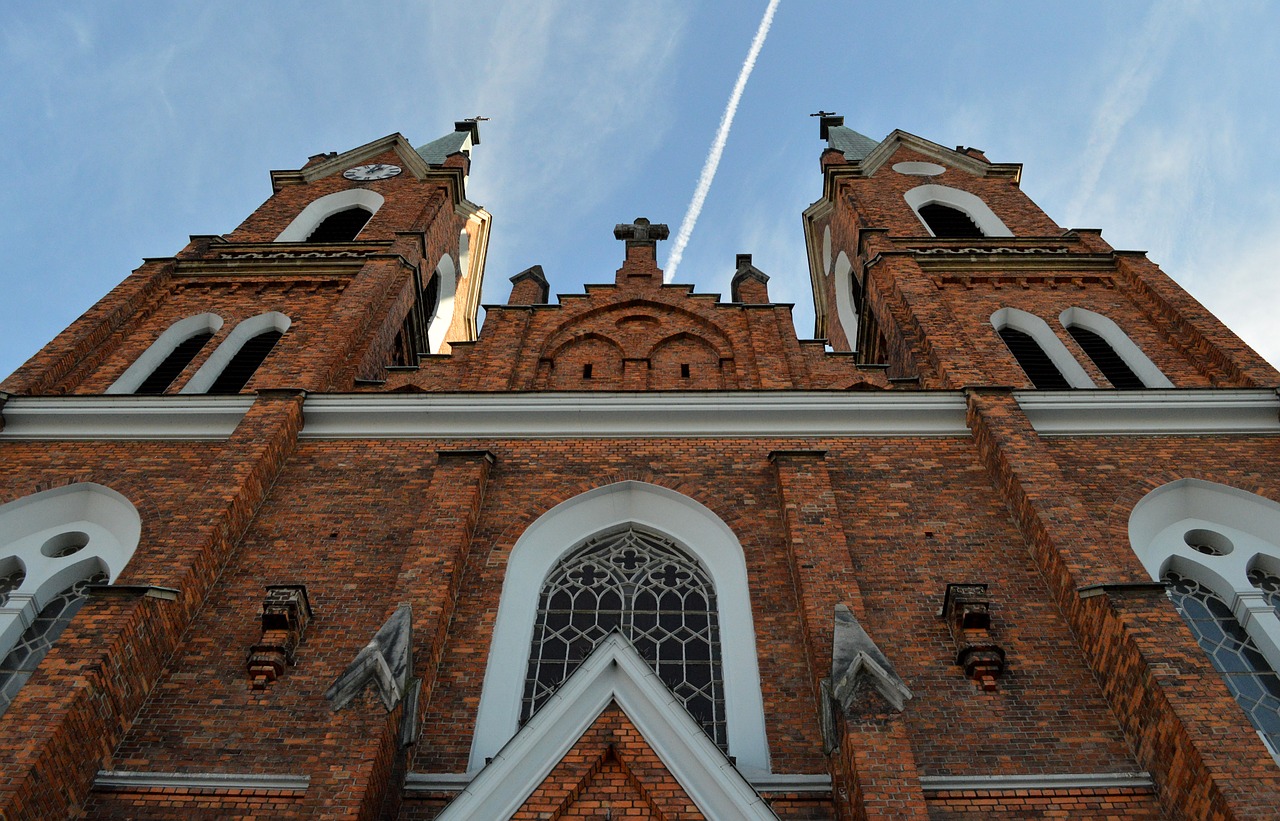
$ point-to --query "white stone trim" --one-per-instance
(1039, 330)
(761, 782)
(107, 518)
(1044, 781)
(699, 532)
(988, 223)
(845, 309)
(209, 372)
(1119, 341)
(1152, 412)
(554, 415)
(134, 780)
(318, 210)
(123, 417)
(613, 673)
(175, 335)
(442, 319)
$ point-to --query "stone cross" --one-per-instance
(641, 231)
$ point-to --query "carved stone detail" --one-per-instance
(285, 615)
(966, 608)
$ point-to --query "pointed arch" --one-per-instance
(967, 204)
(446, 287)
(60, 540)
(848, 299)
(252, 330)
(165, 359)
(1217, 548)
(321, 209)
(688, 524)
(1029, 338)
(1111, 343)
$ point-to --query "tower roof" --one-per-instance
(853, 145)
(465, 134)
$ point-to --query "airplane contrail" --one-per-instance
(717, 145)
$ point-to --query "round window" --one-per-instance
(64, 544)
(1208, 542)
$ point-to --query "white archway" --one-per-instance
(1039, 330)
(174, 335)
(988, 223)
(1119, 341)
(318, 210)
(846, 307)
(94, 526)
(209, 372)
(687, 522)
(443, 317)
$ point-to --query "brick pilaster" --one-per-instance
(873, 771)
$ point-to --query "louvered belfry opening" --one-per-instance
(413, 341)
(341, 227)
(1034, 361)
(246, 361)
(946, 222)
(180, 357)
(1115, 369)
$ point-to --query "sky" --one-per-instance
(127, 127)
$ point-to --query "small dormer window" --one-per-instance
(945, 221)
(342, 226)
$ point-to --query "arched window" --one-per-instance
(1122, 362)
(52, 545)
(848, 299)
(1039, 353)
(342, 226)
(1216, 548)
(674, 531)
(235, 361)
(657, 596)
(305, 225)
(950, 212)
(154, 371)
(945, 221)
(441, 317)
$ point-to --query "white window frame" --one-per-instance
(319, 210)
(109, 520)
(1119, 341)
(152, 357)
(988, 223)
(1039, 330)
(442, 319)
(845, 309)
(698, 531)
(213, 367)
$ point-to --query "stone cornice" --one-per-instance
(1151, 412)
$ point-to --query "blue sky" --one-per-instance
(127, 127)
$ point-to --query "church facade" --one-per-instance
(283, 536)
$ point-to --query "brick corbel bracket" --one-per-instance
(857, 666)
(386, 662)
(286, 611)
(966, 608)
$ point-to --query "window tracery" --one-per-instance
(658, 597)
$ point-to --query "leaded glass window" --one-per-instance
(26, 655)
(657, 596)
(1250, 678)
(10, 582)
(1269, 584)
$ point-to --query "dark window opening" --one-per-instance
(586, 371)
(413, 341)
(341, 227)
(167, 371)
(1034, 361)
(945, 221)
(246, 361)
(684, 371)
(1115, 369)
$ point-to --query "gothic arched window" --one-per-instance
(1034, 361)
(1122, 362)
(657, 596)
(155, 370)
(233, 364)
(245, 363)
(343, 226)
(1038, 351)
(945, 221)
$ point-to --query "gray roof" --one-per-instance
(853, 145)
(435, 151)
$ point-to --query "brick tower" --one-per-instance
(281, 536)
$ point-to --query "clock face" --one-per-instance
(380, 171)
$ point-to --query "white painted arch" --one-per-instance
(988, 223)
(846, 308)
(1146, 370)
(318, 210)
(1039, 330)
(108, 520)
(438, 328)
(174, 335)
(204, 378)
(697, 530)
